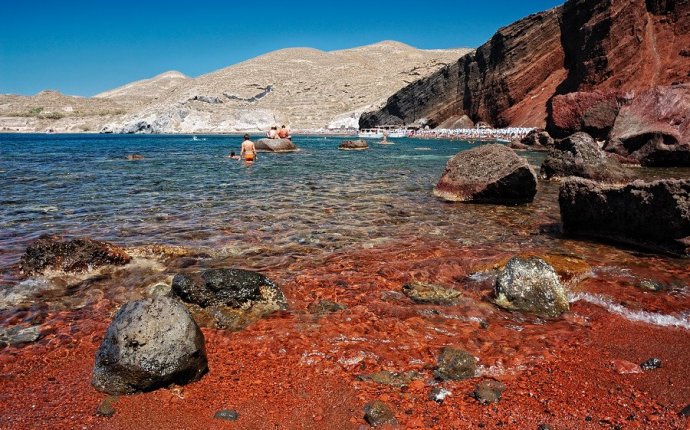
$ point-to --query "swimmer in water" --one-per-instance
(233, 156)
(248, 150)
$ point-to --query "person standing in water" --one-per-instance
(248, 151)
(283, 133)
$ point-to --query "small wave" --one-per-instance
(652, 318)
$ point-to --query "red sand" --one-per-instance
(294, 371)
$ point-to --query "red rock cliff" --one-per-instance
(605, 45)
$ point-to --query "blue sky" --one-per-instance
(83, 47)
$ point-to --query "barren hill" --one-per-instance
(304, 88)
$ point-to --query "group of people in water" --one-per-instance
(248, 149)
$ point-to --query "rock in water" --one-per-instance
(455, 364)
(77, 255)
(275, 145)
(579, 155)
(488, 391)
(232, 298)
(423, 293)
(654, 215)
(532, 286)
(377, 413)
(150, 344)
(537, 138)
(354, 145)
(488, 174)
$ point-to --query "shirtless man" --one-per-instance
(283, 133)
(248, 150)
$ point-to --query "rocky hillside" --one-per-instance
(625, 46)
(304, 88)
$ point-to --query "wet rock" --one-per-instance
(455, 365)
(537, 138)
(377, 413)
(623, 367)
(488, 392)
(488, 174)
(106, 408)
(654, 215)
(150, 344)
(12, 336)
(76, 255)
(579, 155)
(324, 307)
(423, 293)
(685, 412)
(651, 285)
(532, 286)
(160, 290)
(651, 364)
(229, 298)
(385, 377)
(275, 145)
(439, 394)
(226, 415)
(354, 145)
(516, 144)
(14, 295)
(134, 157)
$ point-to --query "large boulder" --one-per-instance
(537, 138)
(275, 145)
(488, 174)
(228, 298)
(531, 286)
(354, 145)
(150, 344)
(654, 127)
(579, 155)
(76, 255)
(591, 112)
(653, 215)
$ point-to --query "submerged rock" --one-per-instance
(488, 174)
(652, 215)
(455, 364)
(150, 344)
(385, 377)
(439, 394)
(579, 155)
(226, 415)
(423, 293)
(19, 335)
(275, 145)
(106, 408)
(354, 145)
(134, 157)
(324, 307)
(377, 413)
(532, 286)
(231, 298)
(488, 392)
(76, 255)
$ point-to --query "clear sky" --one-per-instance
(83, 47)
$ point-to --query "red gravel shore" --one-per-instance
(299, 371)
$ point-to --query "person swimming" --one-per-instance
(248, 150)
(233, 156)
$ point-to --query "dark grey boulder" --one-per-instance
(377, 413)
(488, 174)
(150, 344)
(531, 286)
(354, 145)
(228, 298)
(455, 364)
(579, 155)
(650, 215)
(537, 138)
(275, 145)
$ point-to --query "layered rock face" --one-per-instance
(614, 48)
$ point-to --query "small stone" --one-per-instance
(423, 293)
(325, 307)
(651, 285)
(227, 415)
(488, 392)
(377, 413)
(455, 364)
(439, 394)
(625, 367)
(106, 409)
(389, 378)
(685, 412)
(651, 364)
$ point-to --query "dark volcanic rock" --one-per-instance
(538, 138)
(150, 344)
(377, 413)
(532, 286)
(654, 127)
(651, 364)
(591, 112)
(488, 174)
(455, 365)
(76, 255)
(424, 293)
(231, 298)
(488, 392)
(654, 215)
(354, 145)
(275, 145)
(579, 155)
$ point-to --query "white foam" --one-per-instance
(652, 318)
